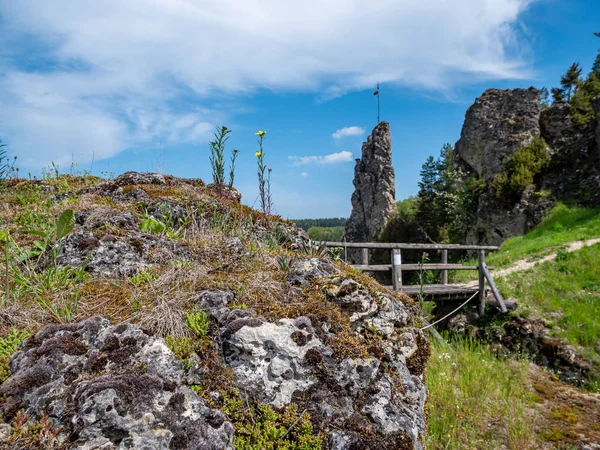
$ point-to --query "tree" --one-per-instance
(558, 95)
(437, 196)
(582, 111)
(596, 66)
(544, 98)
(571, 80)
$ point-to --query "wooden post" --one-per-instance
(444, 261)
(397, 269)
(365, 256)
(494, 289)
(481, 282)
(345, 251)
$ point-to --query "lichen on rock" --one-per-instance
(110, 387)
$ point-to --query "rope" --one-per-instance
(449, 314)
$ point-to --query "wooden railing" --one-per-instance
(397, 267)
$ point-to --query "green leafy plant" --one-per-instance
(285, 262)
(142, 278)
(422, 281)
(197, 322)
(166, 225)
(7, 169)
(264, 183)
(314, 249)
(562, 255)
(152, 225)
(217, 155)
(50, 233)
(7, 242)
(8, 345)
(234, 155)
(335, 253)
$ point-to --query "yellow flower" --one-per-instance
(261, 133)
(258, 154)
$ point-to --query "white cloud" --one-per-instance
(303, 174)
(120, 74)
(332, 158)
(348, 131)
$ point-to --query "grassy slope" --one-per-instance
(479, 401)
(562, 225)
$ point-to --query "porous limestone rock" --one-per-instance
(120, 256)
(310, 269)
(373, 201)
(269, 356)
(132, 178)
(112, 387)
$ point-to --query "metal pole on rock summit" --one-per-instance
(376, 94)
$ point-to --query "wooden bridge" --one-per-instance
(443, 292)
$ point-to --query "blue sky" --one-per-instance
(140, 85)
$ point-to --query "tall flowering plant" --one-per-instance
(264, 183)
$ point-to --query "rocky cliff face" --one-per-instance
(496, 125)
(574, 172)
(185, 320)
(373, 201)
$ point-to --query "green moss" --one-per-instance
(267, 429)
(183, 348)
(9, 345)
(197, 322)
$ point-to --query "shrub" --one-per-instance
(521, 168)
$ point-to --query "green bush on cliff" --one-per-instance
(521, 169)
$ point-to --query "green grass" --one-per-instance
(563, 224)
(569, 285)
(476, 400)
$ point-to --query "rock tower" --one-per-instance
(373, 201)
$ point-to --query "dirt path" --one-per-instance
(523, 264)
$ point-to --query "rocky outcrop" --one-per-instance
(112, 387)
(291, 360)
(500, 122)
(258, 339)
(574, 172)
(496, 125)
(373, 201)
